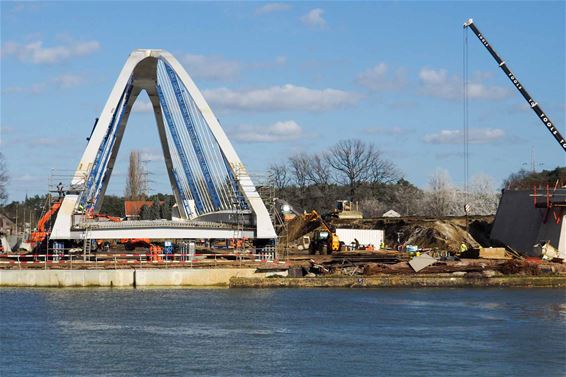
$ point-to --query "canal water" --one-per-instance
(285, 332)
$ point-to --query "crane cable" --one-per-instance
(465, 113)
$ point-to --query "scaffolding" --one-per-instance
(552, 199)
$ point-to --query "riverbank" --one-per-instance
(147, 277)
(256, 278)
(406, 281)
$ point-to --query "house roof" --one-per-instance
(5, 222)
(391, 213)
(133, 207)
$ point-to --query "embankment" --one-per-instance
(405, 281)
(124, 278)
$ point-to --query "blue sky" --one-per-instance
(285, 78)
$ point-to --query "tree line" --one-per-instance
(358, 171)
(351, 169)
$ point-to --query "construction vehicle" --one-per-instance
(532, 103)
(130, 244)
(110, 218)
(325, 241)
(39, 236)
(345, 210)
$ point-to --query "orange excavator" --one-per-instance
(40, 235)
(130, 244)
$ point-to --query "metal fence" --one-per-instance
(186, 257)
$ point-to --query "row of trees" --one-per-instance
(358, 171)
(351, 169)
(159, 209)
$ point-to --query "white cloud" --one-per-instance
(26, 6)
(211, 67)
(475, 136)
(314, 18)
(379, 78)
(151, 154)
(66, 81)
(388, 131)
(45, 141)
(33, 89)
(286, 97)
(142, 107)
(25, 178)
(437, 83)
(272, 7)
(36, 53)
(277, 132)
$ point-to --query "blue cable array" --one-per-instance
(185, 164)
(98, 171)
(194, 137)
(196, 147)
(201, 172)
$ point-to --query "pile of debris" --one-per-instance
(428, 233)
(398, 263)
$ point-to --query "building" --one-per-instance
(7, 226)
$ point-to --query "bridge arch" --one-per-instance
(208, 179)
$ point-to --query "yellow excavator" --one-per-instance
(325, 241)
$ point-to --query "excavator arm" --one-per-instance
(41, 233)
(532, 103)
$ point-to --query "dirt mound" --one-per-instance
(297, 228)
(439, 234)
(444, 233)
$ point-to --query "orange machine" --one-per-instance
(41, 233)
(131, 243)
(111, 218)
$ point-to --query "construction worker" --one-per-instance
(463, 247)
(60, 190)
(382, 245)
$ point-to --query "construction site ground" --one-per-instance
(295, 266)
(446, 233)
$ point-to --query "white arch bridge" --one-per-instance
(215, 195)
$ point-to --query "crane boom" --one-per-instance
(533, 104)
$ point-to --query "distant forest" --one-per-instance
(316, 181)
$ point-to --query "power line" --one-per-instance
(465, 112)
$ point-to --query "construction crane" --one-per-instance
(532, 103)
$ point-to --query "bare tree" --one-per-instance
(300, 168)
(383, 171)
(319, 170)
(3, 180)
(136, 186)
(353, 161)
(278, 176)
(483, 196)
(440, 200)
(406, 198)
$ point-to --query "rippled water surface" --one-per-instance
(309, 332)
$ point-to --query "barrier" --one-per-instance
(266, 255)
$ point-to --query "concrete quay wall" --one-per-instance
(124, 278)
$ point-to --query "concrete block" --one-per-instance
(191, 277)
(494, 253)
(66, 278)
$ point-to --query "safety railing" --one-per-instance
(188, 258)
